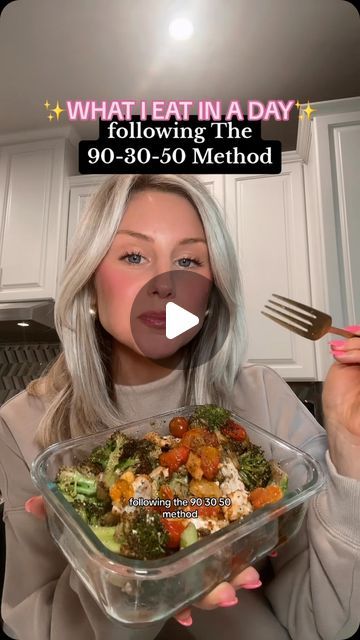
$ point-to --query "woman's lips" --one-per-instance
(153, 319)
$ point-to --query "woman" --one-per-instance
(138, 232)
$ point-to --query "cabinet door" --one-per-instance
(215, 184)
(332, 181)
(81, 189)
(266, 218)
(31, 179)
(347, 171)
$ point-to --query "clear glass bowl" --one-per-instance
(139, 593)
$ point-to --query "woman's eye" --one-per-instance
(132, 258)
(188, 262)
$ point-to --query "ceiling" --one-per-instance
(121, 49)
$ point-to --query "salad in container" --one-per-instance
(154, 514)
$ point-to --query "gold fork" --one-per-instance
(303, 320)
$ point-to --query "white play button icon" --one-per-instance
(178, 320)
(169, 313)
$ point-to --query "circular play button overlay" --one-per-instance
(179, 312)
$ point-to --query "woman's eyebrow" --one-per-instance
(192, 240)
(142, 236)
(136, 234)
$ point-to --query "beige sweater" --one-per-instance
(315, 591)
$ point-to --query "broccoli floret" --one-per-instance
(141, 534)
(254, 469)
(127, 464)
(118, 441)
(101, 455)
(210, 416)
(72, 482)
(91, 509)
(120, 452)
(235, 447)
(139, 455)
(148, 453)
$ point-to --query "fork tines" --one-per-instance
(300, 322)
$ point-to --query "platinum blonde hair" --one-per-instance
(78, 391)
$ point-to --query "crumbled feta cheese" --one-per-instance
(240, 505)
(142, 487)
(159, 471)
(232, 481)
(210, 524)
(161, 441)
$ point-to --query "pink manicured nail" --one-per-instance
(187, 622)
(354, 328)
(228, 603)
(252, 585)
(337, 345)
(338, 354)
(28, 504)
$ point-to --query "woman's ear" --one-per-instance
(93, 310)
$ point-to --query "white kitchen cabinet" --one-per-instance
(82, 187)
(267, 220)
(80, 190)
(330, 146)
(31, 191)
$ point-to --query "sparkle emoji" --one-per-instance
(308, 110)
(58, 110)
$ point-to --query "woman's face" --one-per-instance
(156, 257)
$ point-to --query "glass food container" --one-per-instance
(138, 593)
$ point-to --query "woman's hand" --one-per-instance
(224, 594)
(341, 403)
(35, 505)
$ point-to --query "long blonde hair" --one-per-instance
(78, 391)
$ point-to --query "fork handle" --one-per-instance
(343, 332)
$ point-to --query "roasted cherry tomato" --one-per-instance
(166, 492)
(265, 495)
(174, 458)
(178, 426)
(204, 512)
(210, 512)
(234, 431)
(174, 529)
(210, 460)
(198, 437)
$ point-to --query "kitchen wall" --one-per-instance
(19, 364)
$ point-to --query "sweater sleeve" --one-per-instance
(315, 592)
(43, 597)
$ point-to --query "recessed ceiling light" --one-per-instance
(23, 324)
(181, 29)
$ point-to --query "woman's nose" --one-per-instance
(163, 285)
